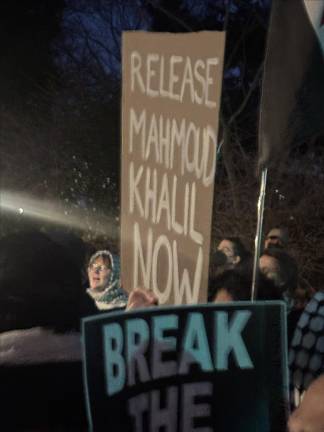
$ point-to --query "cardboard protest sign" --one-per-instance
(171, 93)
(211, 367)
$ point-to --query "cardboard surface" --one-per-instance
(171, 93)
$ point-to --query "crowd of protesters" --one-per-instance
(41, 305)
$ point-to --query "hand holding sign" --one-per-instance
(141, 298)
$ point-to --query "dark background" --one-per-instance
(60, 85)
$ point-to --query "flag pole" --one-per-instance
(258, 235)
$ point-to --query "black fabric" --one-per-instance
(39, 283)
(293, 83)
(292, 320)
(43, 398)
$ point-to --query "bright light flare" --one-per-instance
(53, 212)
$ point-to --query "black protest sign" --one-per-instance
(187, 368)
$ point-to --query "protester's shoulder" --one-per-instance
(87, 306)
(315, 302)
(313, 314)
(91, 307)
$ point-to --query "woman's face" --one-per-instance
(98, 273)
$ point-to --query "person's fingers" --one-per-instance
(137, 295)
(151, 297)
(140, 297)
(144, 295)
(136, 301)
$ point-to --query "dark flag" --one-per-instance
(292, 102)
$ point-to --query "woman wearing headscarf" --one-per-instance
(104, 281)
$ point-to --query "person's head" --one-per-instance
(228, 286)
(276, 237)
(276, 265)
(234, 286)
(99, 269)
(232, 250)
